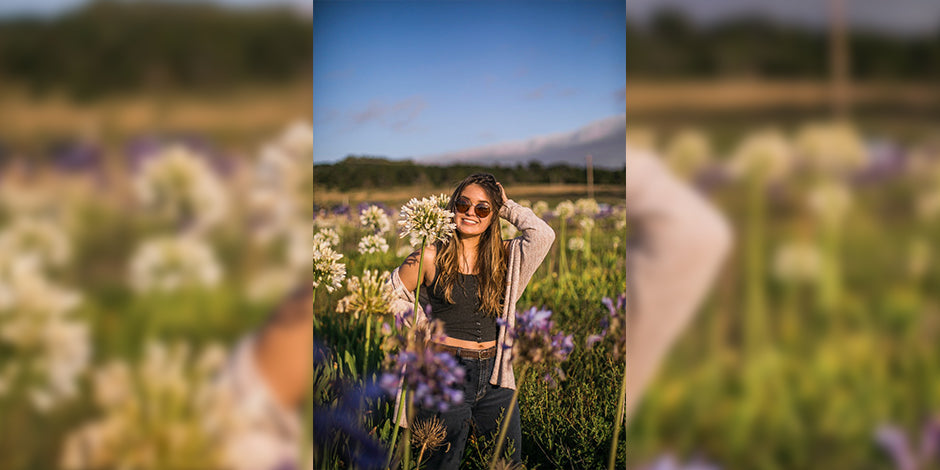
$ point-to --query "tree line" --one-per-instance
(362, 172)
(111, 46)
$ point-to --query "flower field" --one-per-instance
(814, 349)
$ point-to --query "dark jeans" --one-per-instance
(482, 406)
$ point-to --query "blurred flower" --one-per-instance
(298, 140)
(507, 230)
(344, 419)
(372, 244)
(830, 201)
(370, 294)
(831, 147)
(525, 203)
(798, 262)
(575, 244)
(532, 342)
(564, 210)
(586, 224)
(31, 237)
(764, 155)
(894, 441)
(171, 263)
(669, 462)
(613, 326)
(271, 283)
(427, 220)
(47, 349)
(326, 270)
(374, 219)
(433, 376)
(688, 152)
(586, 207)
(326, 235)
(180, 185)
(540, 208)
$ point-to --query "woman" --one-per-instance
(471, 280)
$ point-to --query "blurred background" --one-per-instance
(813, 126)
(156, 199)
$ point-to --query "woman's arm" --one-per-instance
(404, 280)
(535, 240)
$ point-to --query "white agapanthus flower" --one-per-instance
(575, 244)
(688, 152)
(169, 263)
(564, 209)
(797, 262)
(326, 268)
(830, 201)
(180, 185)
(326, 235)
(373, 244)
(765, 155)
(540, 208)
(49, 349)
(37, 238)
(374, 219)
(427, 220)
(369, 294)
(587, 207)
(586, 224)
(831, 146)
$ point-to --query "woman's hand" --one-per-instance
(502, 193)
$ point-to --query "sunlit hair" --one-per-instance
(491, 261)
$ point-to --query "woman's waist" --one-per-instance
(466, 344)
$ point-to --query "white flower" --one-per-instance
(831, 147)
(326, 235)
(374, 219)
(171, 263)
(587, 207)
(540, 208)
(576, 244)
(525, 203)
(830, 201)
(372, 244)
(764, 155)
(688, 152)
(797, 262)
(298, 140)
(326, 269)
(564, 209)
(180, 185)
(427, 220)
(368, 295)
(586, 224)
(41, 239)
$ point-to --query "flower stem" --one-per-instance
(365, 361)
(620, 412)
(507, 417)
(395, 426)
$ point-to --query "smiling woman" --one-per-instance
(472, 279)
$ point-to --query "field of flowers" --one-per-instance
(125, 281)
(816, 349)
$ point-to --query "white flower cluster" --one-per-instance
(35, 238)
(587, 207)
(373, 244)
(326, 235)
(564, 210)
(540, 208)
(765, 155)
(831, 147)
(427, 220)
(575, 244)
(798, 262)
(164, 412)
(688, 152)
(830, 201)
(50, 349)
(170, 263)
(370, 294)
(180, 185)
(326, 268)
(375, 220)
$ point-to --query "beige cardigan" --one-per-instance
(526, 253)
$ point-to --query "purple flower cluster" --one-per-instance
(613, 325)
(433, 376)
(532, 340)
(893, 440)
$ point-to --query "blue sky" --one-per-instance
(434, 80)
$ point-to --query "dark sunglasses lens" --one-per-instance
(462, 205)
(482, 211)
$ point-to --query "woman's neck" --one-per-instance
(467, 254)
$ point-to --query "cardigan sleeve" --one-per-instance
(404, 300)
(533, 243)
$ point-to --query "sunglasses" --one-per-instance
(462, 205)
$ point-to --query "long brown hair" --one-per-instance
(491, 262)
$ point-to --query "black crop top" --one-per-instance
(464, 319)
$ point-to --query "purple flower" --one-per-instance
(433, 376)
(532, 341)
(894, 441)
(339, 426)
(612, 325)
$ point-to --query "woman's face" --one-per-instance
(470, 222)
